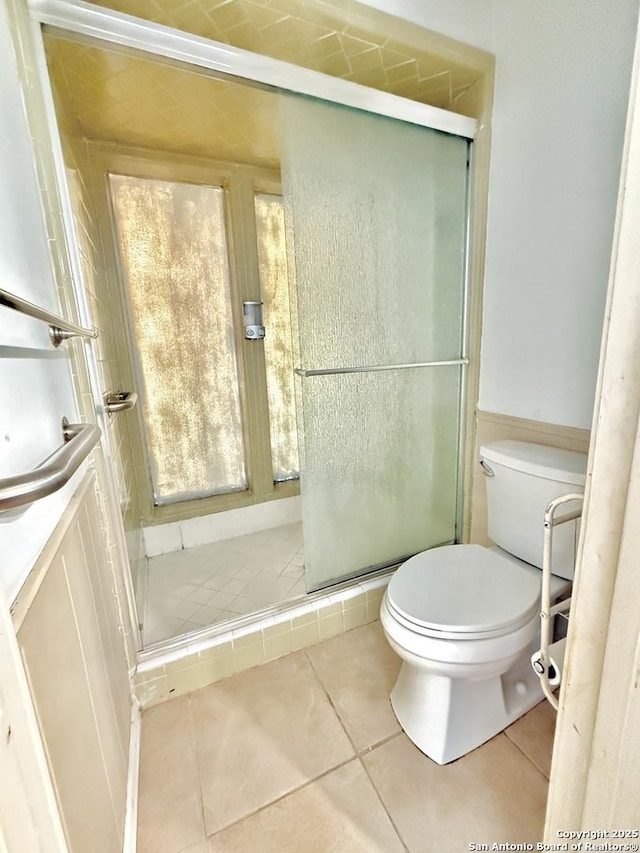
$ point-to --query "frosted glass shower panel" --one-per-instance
(173, 250)
(379, 221)
(381, 454)
(378, 210)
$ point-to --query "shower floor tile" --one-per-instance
(197, 587)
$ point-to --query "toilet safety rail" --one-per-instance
(56, 470)
(549, 611)
(59, 329)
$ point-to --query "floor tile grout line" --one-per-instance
(325, 690)
(283, 796)
(194, 742)
(354, 757)
(522, 752)
(331, 703)
(379, 743)
(382, 802)
(359, 754)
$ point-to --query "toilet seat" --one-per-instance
(463, 592)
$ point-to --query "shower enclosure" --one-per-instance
(377, 211)
(371, 214)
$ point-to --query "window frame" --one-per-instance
(240, 183)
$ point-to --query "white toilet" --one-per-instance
(465, 618)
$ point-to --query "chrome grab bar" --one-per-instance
(59, 329)
(299, 371)
(56, 470)
(120, 401)
(548, 612)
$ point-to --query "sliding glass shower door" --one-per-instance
(377, 211)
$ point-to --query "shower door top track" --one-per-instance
(97, 22)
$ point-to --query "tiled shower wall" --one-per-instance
(342, 39)
(191, 532)
(119, 437)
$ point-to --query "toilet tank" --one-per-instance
(527, 478)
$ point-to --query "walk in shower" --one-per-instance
(197, 196)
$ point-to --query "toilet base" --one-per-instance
(448, 717)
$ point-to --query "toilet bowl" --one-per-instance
(465, 646)
(464, 619)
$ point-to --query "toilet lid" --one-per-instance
(464, 589)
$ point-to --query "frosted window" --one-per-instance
(174, 258)
(274, 286)
(378, 211)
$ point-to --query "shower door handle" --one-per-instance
(119, 401)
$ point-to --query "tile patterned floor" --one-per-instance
(194, 588)
(305, 754)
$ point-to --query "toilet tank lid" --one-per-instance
(552, 463)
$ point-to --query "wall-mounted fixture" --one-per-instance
(59, 329)
(119, 401)
(56, 470)
(253, 328)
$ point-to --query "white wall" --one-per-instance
(562, 83)
(35, 387)
(562, 86)
(468, 21)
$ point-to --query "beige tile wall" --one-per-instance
(68, 628)
(131, 99)
(118, 441)
(204, 662)
(493, 427)
(343, 39)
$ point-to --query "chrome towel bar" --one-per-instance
(59, 329)
(299, 371)
(57, 469)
